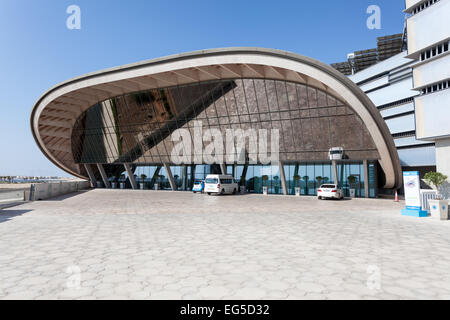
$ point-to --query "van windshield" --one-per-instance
(212, 180)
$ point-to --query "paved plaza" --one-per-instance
(125, 244)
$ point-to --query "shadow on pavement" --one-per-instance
(343, 199)
(10, 214)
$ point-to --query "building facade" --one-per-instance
(116, 125)
(428, 28)
(389, 84)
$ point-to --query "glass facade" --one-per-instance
(151, 175)
(307, 176)
(183, 175)
(136, 129)
(255, 177)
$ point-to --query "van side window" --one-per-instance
(226, 181)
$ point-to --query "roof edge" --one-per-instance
(242, 50)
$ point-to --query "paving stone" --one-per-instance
(214, 292)
(123, 244)
(251, 293)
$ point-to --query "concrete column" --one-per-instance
(185, 182)
(283, 178)
(155, 177)
(90, 174)
(130, 176)
(170, 176)
(104, 176)
(223, 168)
(244, 175)
(443, 164)
(366, 178)
(335, 172)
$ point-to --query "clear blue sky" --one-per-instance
(38, 51)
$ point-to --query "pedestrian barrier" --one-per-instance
(42, 191)
(425, 196)
(12, 196)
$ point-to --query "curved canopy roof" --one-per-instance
(56, 111)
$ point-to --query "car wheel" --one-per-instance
(319, 197)
(222, 192)
(234, 191)
(209, 193)
(194, 191)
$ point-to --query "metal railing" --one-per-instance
(425, 196)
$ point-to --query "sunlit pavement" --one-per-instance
(114, 244)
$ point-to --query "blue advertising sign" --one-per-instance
(411, 183)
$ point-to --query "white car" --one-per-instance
(220, 184)
(330, 191)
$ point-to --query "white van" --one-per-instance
(216, 183)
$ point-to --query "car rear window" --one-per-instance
(210, 180)
(328, 186)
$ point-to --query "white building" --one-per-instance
(389, 85)
(428, 45)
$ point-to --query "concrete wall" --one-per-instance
(12, 196)
(430, 72)
(433, 115)
(443, 164)
(428, 27)
(42, 191)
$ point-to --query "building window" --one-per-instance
(436, 87)
(423, 6)
(434, 51)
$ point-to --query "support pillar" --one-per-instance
(223, 168)
(104, 176)
(170, 176)
(130, 176)
(366, 178)
(335, 172)
(244, 175)
(192, 175)
(184, 178)
(155, 177)
(283, 178)
(90, 174)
